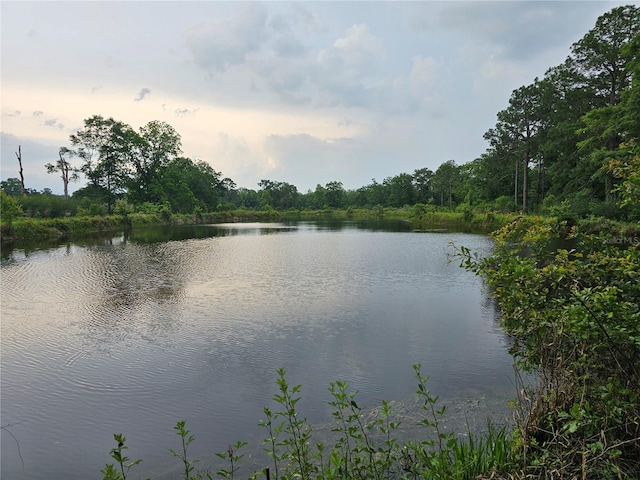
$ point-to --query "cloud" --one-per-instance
(144, 92)
(519, 31)
(37, 113)
(224, 42)
(349, 72)
(420, 89)
(53, 122)
(184, 112)
(299, 157)
(289, 57)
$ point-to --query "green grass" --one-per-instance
(29, 228)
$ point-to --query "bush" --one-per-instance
(47, 206)
(504, 204)
(575, 316)
(9, 209)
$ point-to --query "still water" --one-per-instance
(130, 333)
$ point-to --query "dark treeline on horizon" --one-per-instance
(565, 145)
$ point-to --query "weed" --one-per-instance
(110, 471)
(186, 439)
(365, 445)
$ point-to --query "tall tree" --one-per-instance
(401, 190)
(599, 57)
(155, 146)
(106, 147)
(422, 184)
(63, 166)
(444, 181)
(566, 99)
(334, 194)
(89, 140)
(518, 125)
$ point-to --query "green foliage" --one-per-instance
(122, 208)
(233, 457)
(12, 187)
(365, 446)
(33, 228)
(297, 431)
(9, 208)
(504, 204)
(119, 472)
(47, 206)
(628, 173)
(575, 319)
(186, 439)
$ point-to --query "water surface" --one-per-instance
(130, 333)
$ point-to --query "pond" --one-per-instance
(130, 333)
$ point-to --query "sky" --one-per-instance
(304, 92)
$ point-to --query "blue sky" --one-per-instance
(304, 92)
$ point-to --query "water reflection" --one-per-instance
(136, 330)
(16, 251)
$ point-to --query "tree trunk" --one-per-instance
(525, 181)
(540, 181)
(64, 173)
(19, 155)
(515, 190)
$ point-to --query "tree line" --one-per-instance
(565, 144)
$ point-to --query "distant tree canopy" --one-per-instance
(565, 144)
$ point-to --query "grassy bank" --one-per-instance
(30, 228)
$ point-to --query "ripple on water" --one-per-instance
(131, 337)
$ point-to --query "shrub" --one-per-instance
(504, 204)
(575, 316)
(9, 209)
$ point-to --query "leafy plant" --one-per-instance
(110, 471)
(234, 457)
(186, 439)
(574, 317)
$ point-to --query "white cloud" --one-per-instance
(309, 92)
(350, 71)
